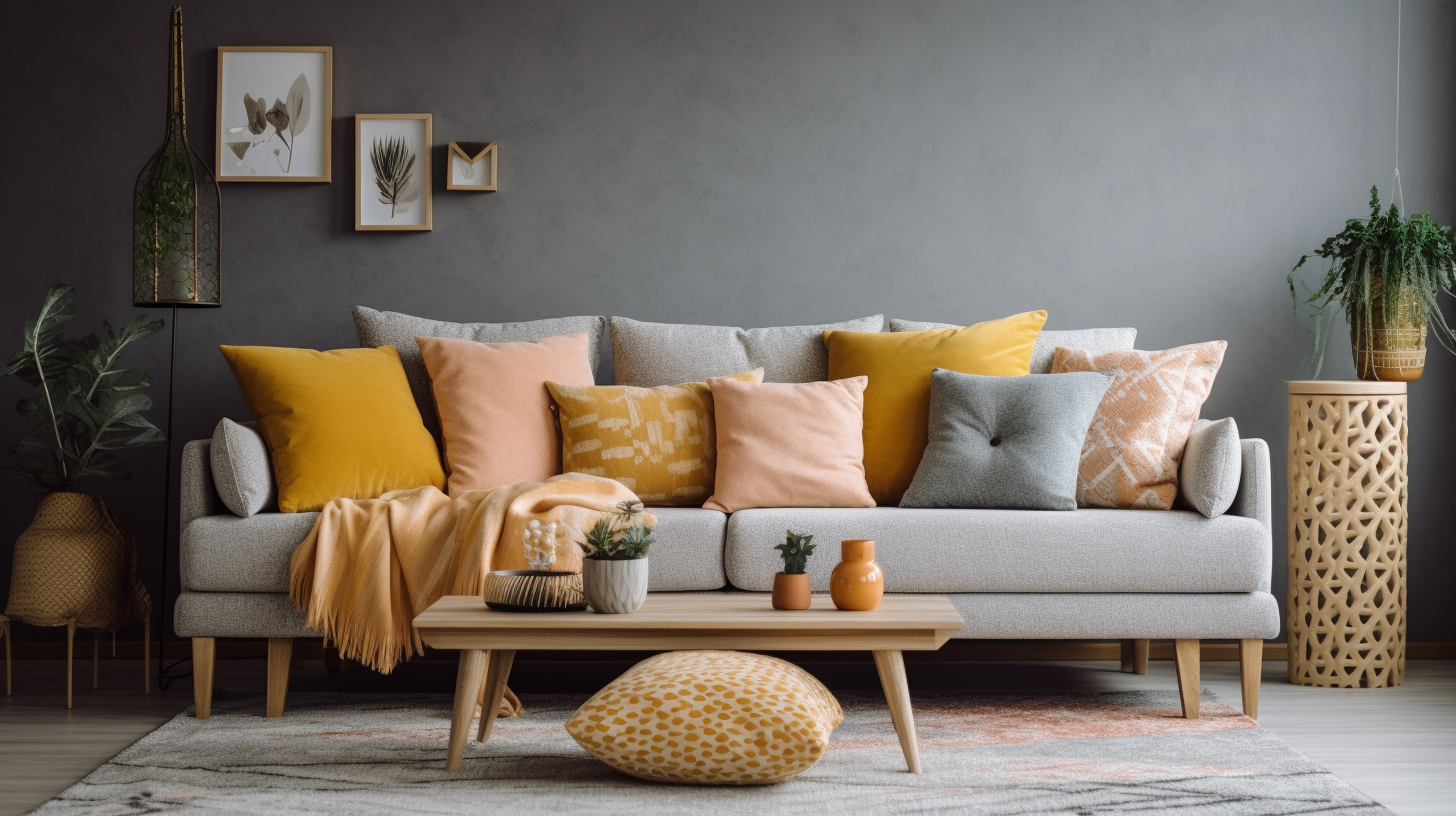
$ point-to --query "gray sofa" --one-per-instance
(1131, 575)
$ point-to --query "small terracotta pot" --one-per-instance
(791, 591)
(857, 583)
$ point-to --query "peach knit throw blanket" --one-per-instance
(370, 566)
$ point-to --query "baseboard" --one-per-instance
(953, 651)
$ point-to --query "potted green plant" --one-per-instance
(614, 559)
(1385, 273)
(791, 587)
(76, 564)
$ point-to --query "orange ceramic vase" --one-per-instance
(857, 583)
(790, 591)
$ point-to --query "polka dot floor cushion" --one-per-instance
(711, 718)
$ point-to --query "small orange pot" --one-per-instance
(857, 583)
(791, 591)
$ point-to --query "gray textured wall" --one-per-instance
(1154, 164)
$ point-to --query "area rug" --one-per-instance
(1093, 753)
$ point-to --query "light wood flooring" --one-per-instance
(1398, 745)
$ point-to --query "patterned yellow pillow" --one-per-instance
(711, 718)
(658, 442)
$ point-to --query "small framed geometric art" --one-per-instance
(392, 171)
(287, 139)
(471, 166)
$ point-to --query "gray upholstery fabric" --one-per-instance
(1254, 499)
(1208, 477)
(224, 553)
(199, 496)
(238, 614)
(400, 330)
(1005, 442)
(652, 354)
(1087, 550)
(241, 470)
(1094, 340)
(1034, 616)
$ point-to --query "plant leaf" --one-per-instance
(105, 464)
(299, 102)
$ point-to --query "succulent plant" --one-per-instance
(621, 536)
(796, 551)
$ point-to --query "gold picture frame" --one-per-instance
(392, 171)
(256, 139)
(466, 158)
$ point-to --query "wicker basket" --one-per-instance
(1390, 352)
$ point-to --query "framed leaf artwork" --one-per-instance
(471, 166)
(392, 171)
(274, 112)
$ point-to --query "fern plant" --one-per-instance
(623, 535)
(1383, 259)
(796, 551)
(86, 406)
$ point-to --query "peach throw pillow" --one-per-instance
(1125, 457)
(496, 417)
(789, 444)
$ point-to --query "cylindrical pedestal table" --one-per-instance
(1347, 532)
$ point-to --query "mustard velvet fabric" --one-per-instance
(338, 424)
(897, 401)
(658, 442)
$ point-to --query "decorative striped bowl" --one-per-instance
(534, 591)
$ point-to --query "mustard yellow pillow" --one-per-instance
(658, 442)
(897, 401)
(709, 718)
(338, 424)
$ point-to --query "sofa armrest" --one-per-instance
(1254, 499)
(199, 496)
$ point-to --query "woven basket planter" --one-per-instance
(1385, 349)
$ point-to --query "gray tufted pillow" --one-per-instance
(1093, 340)
(1005, 442)
(400, 330)
(651, 354)
(1212, 467)
(241, 469)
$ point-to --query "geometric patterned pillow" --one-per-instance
(709, 718)
(1202, 368)
(1125, 459)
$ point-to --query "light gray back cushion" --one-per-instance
(1005, 442)
(1208, 477)
(400, 330)
(241, 470)
(1093, 340)
(651, 354)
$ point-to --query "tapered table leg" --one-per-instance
(496, 676)
(891, 666)
(467, 688)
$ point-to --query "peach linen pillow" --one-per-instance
(789, 444)
(496, 417)
(1125, 457)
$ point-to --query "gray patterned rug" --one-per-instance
(1115, 752)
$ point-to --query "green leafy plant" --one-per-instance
(623, 535)
(164, 225)
(796, 551)
(87, 407)
(1379, 260)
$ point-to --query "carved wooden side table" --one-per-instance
(1347, 533)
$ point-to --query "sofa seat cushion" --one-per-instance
(1087, 550)
(226, 553)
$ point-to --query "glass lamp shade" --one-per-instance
(176, 211)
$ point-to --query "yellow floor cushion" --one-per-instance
(710, 718)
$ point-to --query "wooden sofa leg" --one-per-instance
(1251, 665)
(1185, 660)
(204, 650)
(1135, 656)
(280, 658)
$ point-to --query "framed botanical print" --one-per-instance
(274, 112)
(392, 171)
(471, 166)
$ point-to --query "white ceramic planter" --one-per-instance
(614, 587)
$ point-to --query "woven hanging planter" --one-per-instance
(1391, 347)
(76, 562)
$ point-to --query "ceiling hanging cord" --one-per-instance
(1397, 195)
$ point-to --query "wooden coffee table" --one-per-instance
(671, 621)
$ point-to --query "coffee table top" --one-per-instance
(701, 620)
